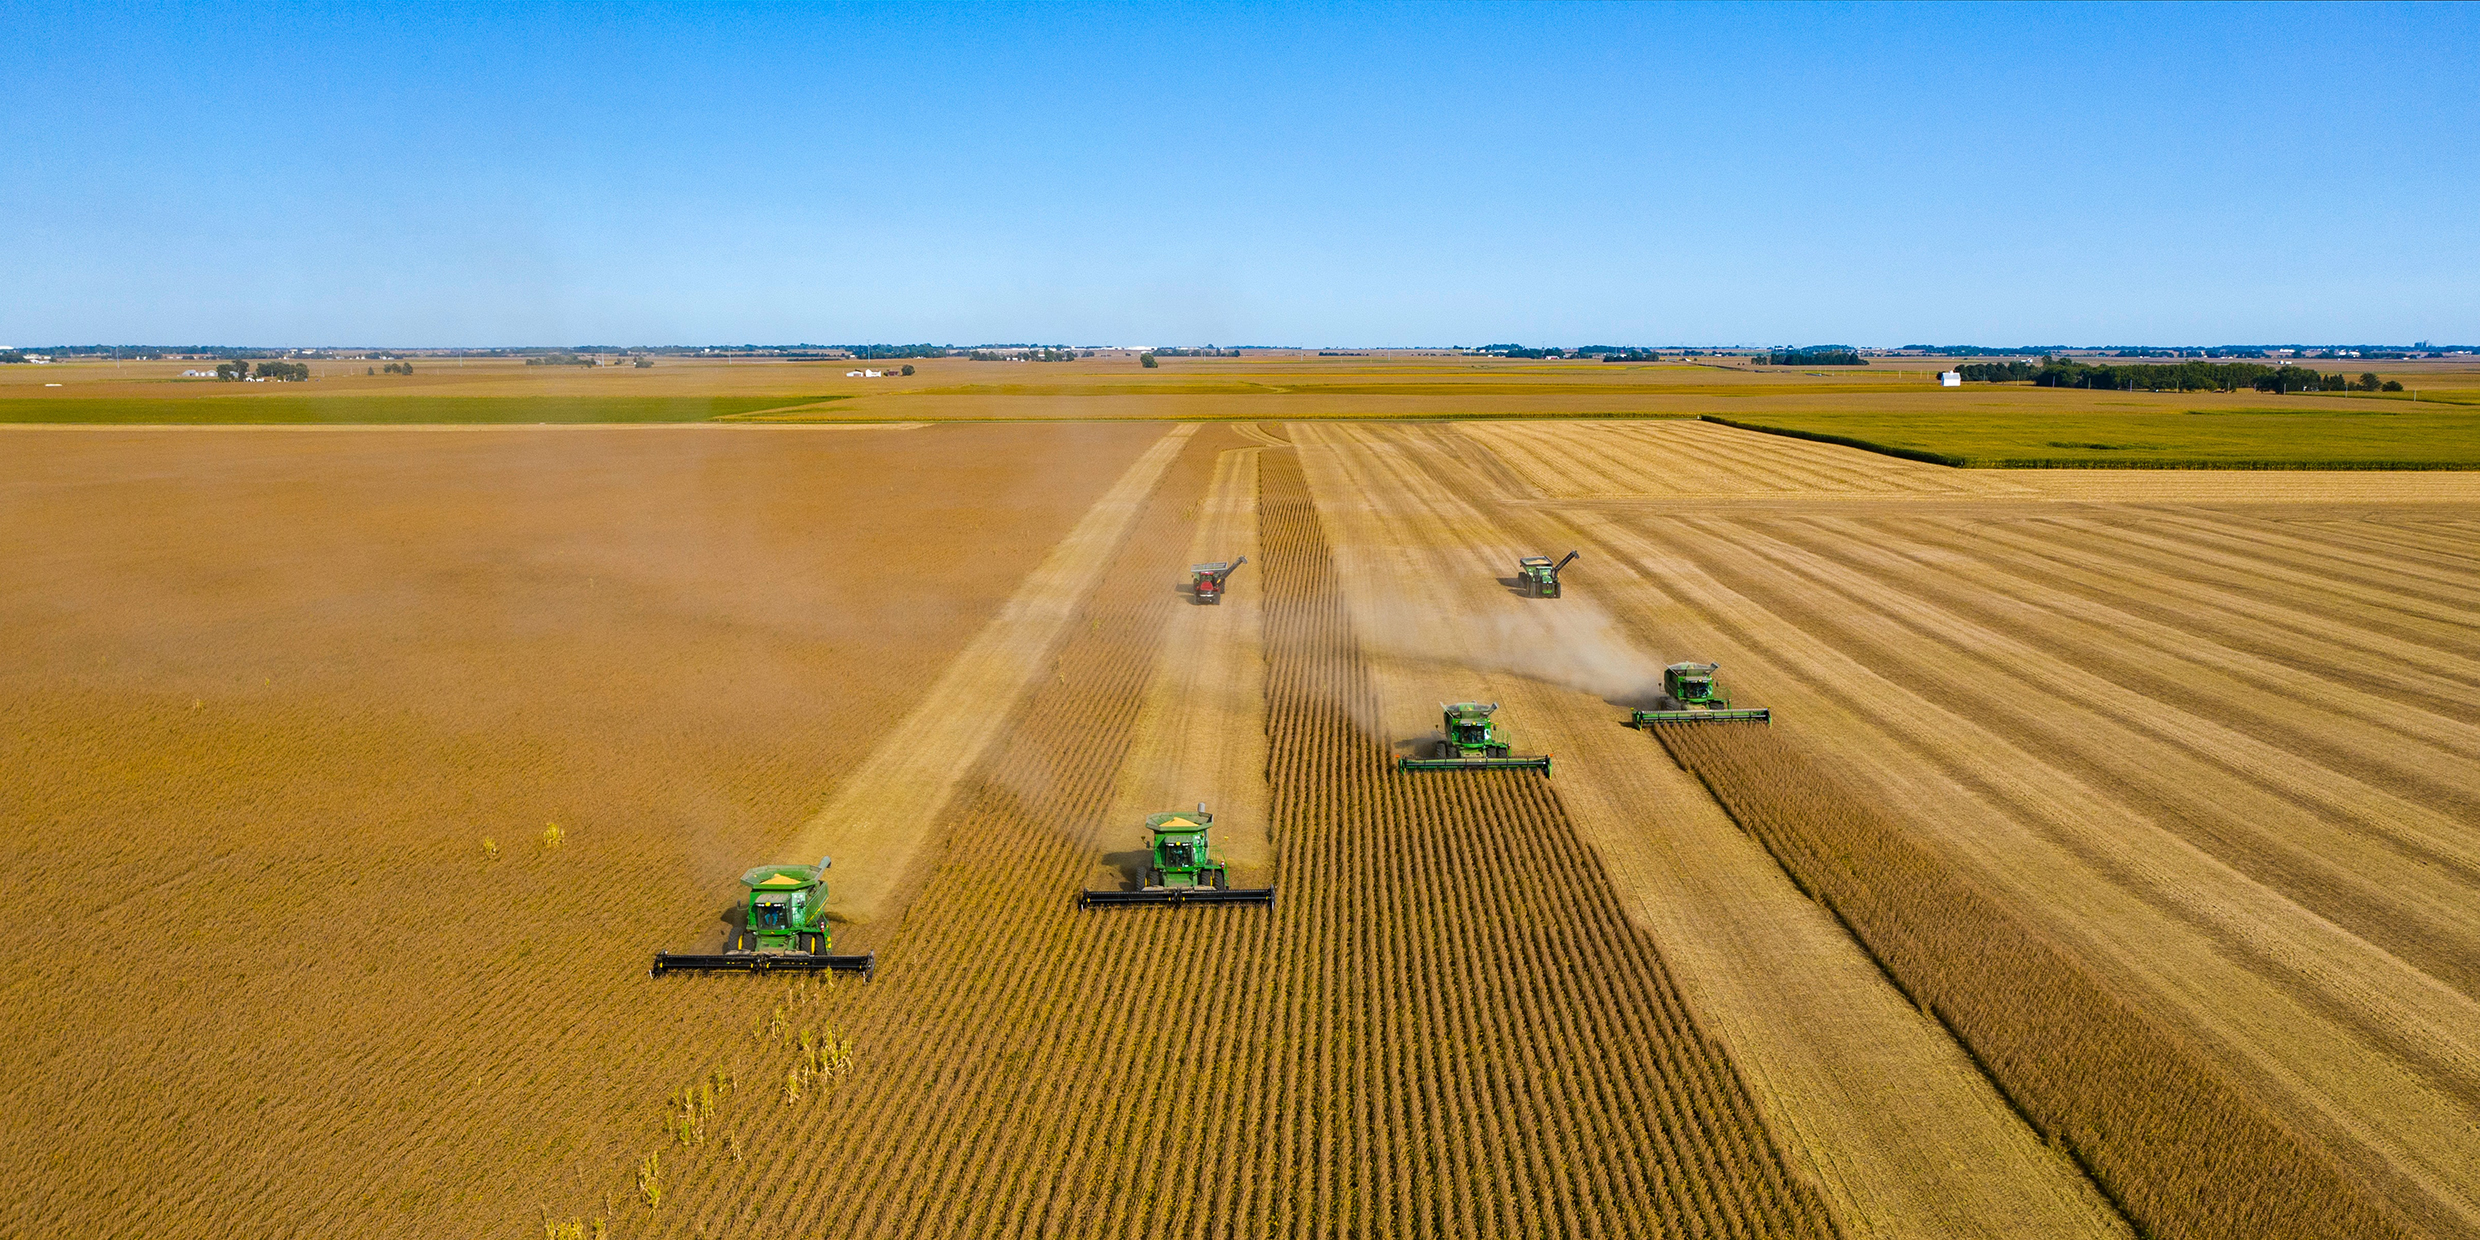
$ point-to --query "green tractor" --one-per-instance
(785, 928)
(1690, 695)
(1539, 577)
(1471, 744)
(1181, 867)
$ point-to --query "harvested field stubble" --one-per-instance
(264, 694)
(1443, 1028)
(2183, 1152)
(1579, 1028)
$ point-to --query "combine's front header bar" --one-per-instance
(767, 962)
(1647, 718)
(1475, 763)
(1178, 895)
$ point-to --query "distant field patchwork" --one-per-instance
(2080, 431)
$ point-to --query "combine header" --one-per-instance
(1206, 581)
(1689, 695)
(1181, 868)
(1540, 576)
(1472, 744)
(786, 929)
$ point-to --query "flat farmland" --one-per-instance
(1896, 401)
(2189, 758)
(2217, 744)
(267, 693)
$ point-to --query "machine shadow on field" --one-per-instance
(1129, 866)
(1515, 586)
(734, 918)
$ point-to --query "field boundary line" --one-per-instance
(886, 808)
(2244, 465)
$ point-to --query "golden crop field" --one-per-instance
(2108, 868)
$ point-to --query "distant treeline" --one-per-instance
(1208, 351)
(893, 352)
(2175, 377)
(2240, 351)
(278, 372)
(1027, 355)
(1818, 356)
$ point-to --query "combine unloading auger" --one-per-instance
(1690, 695)
(1471, 744)
(1181, 868)
(786, 930)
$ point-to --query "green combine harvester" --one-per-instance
(1472, 744)
(1541, 577)
(1690, 695)
(1181, 867)
(786, 929)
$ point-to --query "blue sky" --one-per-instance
(1346, 175)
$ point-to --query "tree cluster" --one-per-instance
(2189, 376)
(1147, 360)
(562, 359)
(399, 368)
(11, 357)
(279, 372)
(893, 352)
(1821, 355)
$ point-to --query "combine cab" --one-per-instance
(786, 928)
(1206, 581)
(1690, 695)
(1472, 744)
(1181, 868)
(1539, 576)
